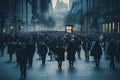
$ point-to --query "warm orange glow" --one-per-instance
(69, 29)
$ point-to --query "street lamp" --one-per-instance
(4, 30)
(11, 27)
(12, 30)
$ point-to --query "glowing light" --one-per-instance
(113, 26)
(103, 27)
(109, 27)
(11, 27)
(69, 29)
(106, 27)
(4, 30)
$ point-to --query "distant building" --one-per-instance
(61, 11)
(61, 8)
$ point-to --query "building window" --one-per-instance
(113, 27)
(109, 27)
(106, 28)
(69, 29)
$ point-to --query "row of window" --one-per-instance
(111, 27)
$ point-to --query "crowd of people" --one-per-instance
(55, 45)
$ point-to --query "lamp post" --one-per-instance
(11, 30)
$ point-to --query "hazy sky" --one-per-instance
(54, 2)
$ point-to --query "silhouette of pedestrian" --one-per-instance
(60, 54)
(11, 49)
(71, 50)
(78, 47)
(2, 46)
(30, 50)
(43, 52)
(86, 48)
(97, 52)
(23, 60)
(17, 50)
(118, 51)
(112, 53)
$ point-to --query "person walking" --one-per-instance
(30, 50)
(11, 49)
(86, 47)
(112, 53)
(97, 52)
(43, 50)
(71, 51)
(23, 60)
(60, 54)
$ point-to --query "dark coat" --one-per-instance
(60, 53)
(17, 47)
(2, 46)
(71, 50)
(111, 49)
(23, 56)
(118, 50)
(96, 51)
(78, 45)
(44, 50)
(11, 48)
(30, 48)
(86, 46)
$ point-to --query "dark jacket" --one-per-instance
(60, 53)
(44, 50)
(11, 48)
(71, 50)
(111, 49)
(23, 55)
(96, 51)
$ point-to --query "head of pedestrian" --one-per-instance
(23, 45)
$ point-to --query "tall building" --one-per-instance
(61, 8)
(111, 13)
(61, 11)
(15, 14)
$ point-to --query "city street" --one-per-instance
(82, 70)
(60, 26)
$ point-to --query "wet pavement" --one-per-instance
(82, 70)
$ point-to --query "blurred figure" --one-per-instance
(97, 52)
(39, 44)
(23, 60)
(118, 52)
(17, 50)
(71, 51)
(86, 48)
(11, 49)
(106, 47)
(30, 50)
(112, 53)
(2, 46)
(78, 47)
(51, 53)
(60, 54)
(43, 52)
